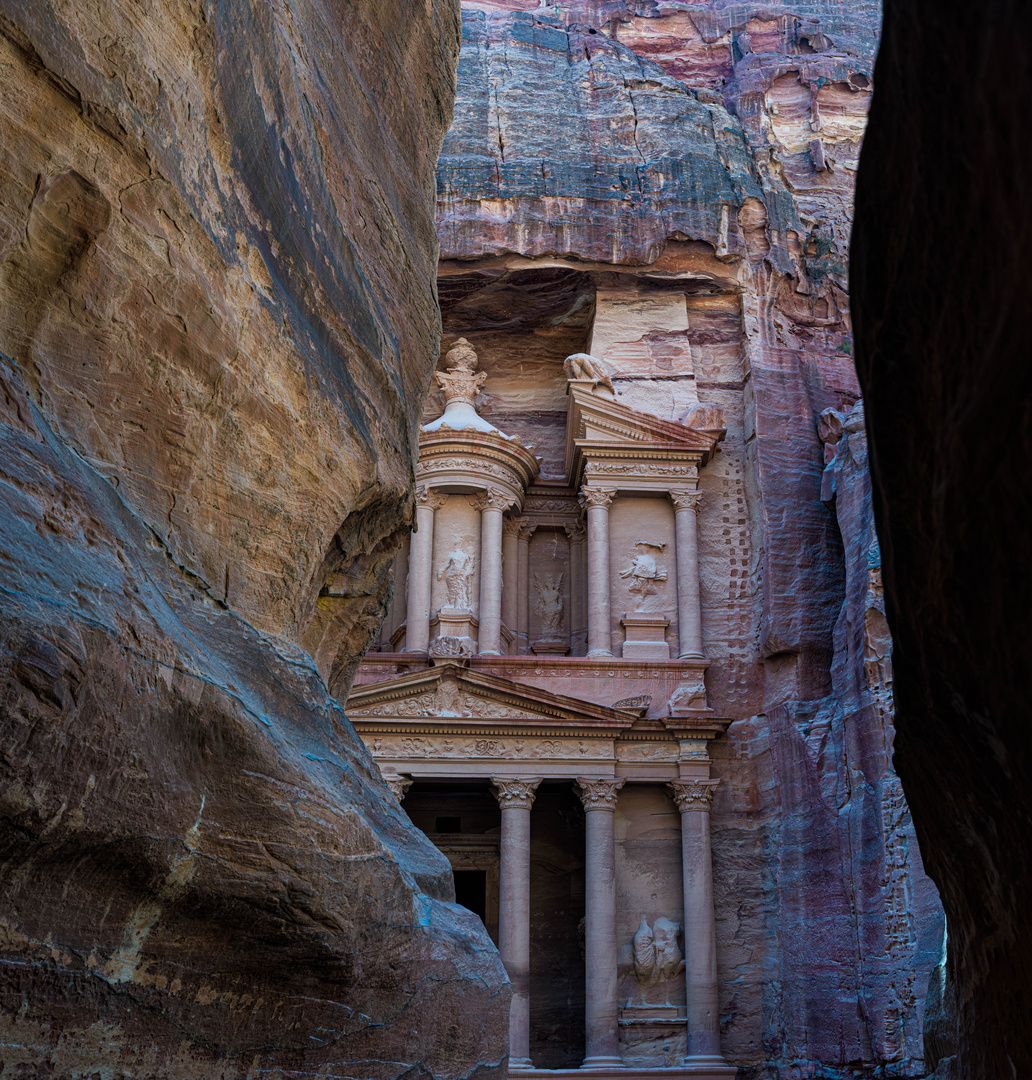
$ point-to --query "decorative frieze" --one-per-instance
(399, 747)
(598, 793)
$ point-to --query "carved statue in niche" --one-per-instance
(585, 366)
(457, 574)
(656, 955)
(645, 573)
(551, 605)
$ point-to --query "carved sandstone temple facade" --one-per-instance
(538, 703)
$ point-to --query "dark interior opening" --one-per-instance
(471, 891)
(448, 824)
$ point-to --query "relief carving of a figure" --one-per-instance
(551, 603)
(457, 574)
(645, 573)
(656, 955)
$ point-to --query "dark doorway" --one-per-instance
(471, 891)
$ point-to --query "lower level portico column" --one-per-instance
(693, 798)
(601, 1032)
(421, 554)
(490, 615)
(516, 796)
(689, 602)
(600, 635)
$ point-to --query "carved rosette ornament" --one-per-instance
(686, 500)
(515, 791)
(398, 784)
(428, 496)
(597, 496)
(598, 794)
(693, 794)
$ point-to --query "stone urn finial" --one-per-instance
(461, 383)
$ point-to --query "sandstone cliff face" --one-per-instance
(943, 296)
(216, 277)
(689, 167)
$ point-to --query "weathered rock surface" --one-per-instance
(580, 176)
(218, 327)
(943, 295)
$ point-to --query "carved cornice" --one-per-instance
(576, 531)
(693, 794)
(597, 496)
(517, 791)
(597, 793)
(428, 496)
(686, 500)
(398, 784)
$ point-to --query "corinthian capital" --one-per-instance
(686, 500)
(490, 500)
(598, 794)
(511, 526)
(515, 790)
(693, 794)
(596, 496)
(576, 531)
(398, 784)
(428, 496)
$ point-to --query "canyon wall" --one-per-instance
(669, 187)
(942, 295)
(217, 261)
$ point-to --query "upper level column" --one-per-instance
(600, 637)
(491, 505)
(421, 554)
(523, 589)
(516, 796)
(578, 608)
(689, 601)
(693, 797)
(511, 576)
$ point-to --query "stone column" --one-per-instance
(490, 505)
(601, 1031)
(421, 559)
(689, 603)
(600, 636)
(693, 798)
(511, 577)
(578, 588)
(523, 590)
(516, 796)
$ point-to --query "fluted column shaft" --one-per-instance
(600, 636)
(523, 590)
(510, 577)
(693, 798)
(516, 796)
(689, 600)
(421, 557)
(490, 614)
(578, 589)
(601, 1031)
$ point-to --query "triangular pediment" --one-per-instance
(451, 693)
(598, 424)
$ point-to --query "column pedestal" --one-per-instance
(516, 796)
(600, 633)
(601, 1012)
(693, 798)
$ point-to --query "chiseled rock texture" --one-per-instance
(612, 149)
(943, 294)
(217, 257)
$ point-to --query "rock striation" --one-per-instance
(668, 187)
(942, 298)
(216, 277)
